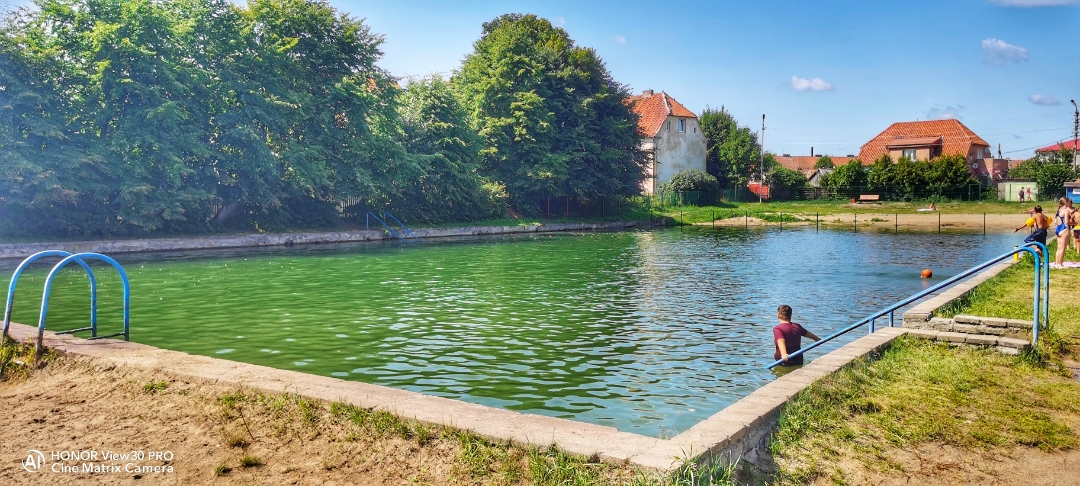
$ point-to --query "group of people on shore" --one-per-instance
(1065, 222)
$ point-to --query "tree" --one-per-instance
(881, 173)
(824, 162)
(847, 176)
(435, 125)
(553, 120)
(732, 154)
(786, 183)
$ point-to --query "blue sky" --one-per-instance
(828, 74)
(983, 62)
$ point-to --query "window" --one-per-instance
(667, 126)
(682, 125)
(910, 153)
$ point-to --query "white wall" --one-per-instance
(675, 152)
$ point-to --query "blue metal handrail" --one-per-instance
(367, 221)
(79, 257)
(404, 229)
(15, 279)
(1041, 303)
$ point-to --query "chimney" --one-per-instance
(811, 151)
(647, 93)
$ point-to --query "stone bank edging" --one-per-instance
(23, 250)
(740, 431)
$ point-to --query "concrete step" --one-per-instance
(994, 326)
(1005, 345)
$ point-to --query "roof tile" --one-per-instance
(956, 138)
(653, 110)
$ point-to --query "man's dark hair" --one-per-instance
(1038, 209)
(784, 312)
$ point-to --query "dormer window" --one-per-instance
(682, 125)
(910, 154)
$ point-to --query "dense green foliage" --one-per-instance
(944, 177)
(824, 162)
(553, 121)
(733, 154)
(173, 116)
(696, 181)
(1050, 170)
(786, 184)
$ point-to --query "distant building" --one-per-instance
(670, 134)
(1065, 145)
(928, 140)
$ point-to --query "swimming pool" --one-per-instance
(646, 331)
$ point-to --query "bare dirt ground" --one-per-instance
(894, 222)
(938, 464)
(76, 405)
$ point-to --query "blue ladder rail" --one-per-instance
(79, 258)
(15, 280)
(1041, 298)
(367, 223)
(404, 229)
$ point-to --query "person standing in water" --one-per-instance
(787, 336)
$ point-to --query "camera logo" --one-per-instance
(34, 461)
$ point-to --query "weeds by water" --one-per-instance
(17, 360)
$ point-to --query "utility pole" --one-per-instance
(761, 187)
(1076, 129)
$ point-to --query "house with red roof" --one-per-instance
(670, 134)
(1065, 145)
(927, 140)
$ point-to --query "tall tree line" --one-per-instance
(154, 116)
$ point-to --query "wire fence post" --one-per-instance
(817, 222)
(781, 220)
(746, 219)
(896, 223)
(712, 215)
(939, 223)
(856, 222)
(984, 224)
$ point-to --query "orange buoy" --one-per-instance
(926, 273)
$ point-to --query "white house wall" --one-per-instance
(675, 152)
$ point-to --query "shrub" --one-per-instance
(693, 180)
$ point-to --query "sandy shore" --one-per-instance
(892, 222)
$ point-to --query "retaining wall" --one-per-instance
(23, 250)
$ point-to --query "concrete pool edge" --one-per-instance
(23, 250)
(739, 431)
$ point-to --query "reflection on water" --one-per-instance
(648, 331)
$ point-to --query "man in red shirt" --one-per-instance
(788, 337)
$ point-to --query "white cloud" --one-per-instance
(620, 39)
(816, 84)
(560, 21)
(941, 112)
(999, 52)
(1044, 100)
(1033, 3)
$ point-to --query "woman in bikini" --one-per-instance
(1063, 230)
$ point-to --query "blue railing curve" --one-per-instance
(48, 289)
(1041, 303)
(15, 279)
(404, 229)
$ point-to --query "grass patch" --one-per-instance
(154, 387)
(250, 461)
(17, 360)
(919, 392)
(222, 469)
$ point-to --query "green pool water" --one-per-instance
(645, 331)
